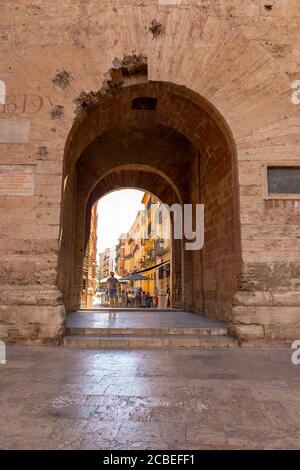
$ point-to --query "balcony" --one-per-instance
(160, 248)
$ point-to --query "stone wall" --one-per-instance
(217, 265)
(238, 57)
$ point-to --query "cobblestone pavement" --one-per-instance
(55, 398)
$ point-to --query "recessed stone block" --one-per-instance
(169, 2)
(14, 130)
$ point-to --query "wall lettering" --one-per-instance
(16, 180)
(24, 104)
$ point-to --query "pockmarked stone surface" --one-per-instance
(14, 130)
(188, 100)
(55, 398)
(16, 180)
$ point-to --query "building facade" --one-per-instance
(89, 272)
(195, 102)
(107, 262)
(143, 248)
(120, 255)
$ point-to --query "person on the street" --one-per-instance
(138, 297)
(168, 297)
(144, 299)
(149, 300)
(155, 297)
(128, 299)
(112, 283)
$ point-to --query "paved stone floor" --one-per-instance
(55, 398)
(140, 319)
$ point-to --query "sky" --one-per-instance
(116, 214)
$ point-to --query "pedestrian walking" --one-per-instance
(138, 297)
(155, 297)
(112, 283)
(168, 297)
(149, 300)
(144, 299)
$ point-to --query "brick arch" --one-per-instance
(127, 177)
(116, 178)
(177, 107)
(183, 140)
(94, 185)
(145, 178)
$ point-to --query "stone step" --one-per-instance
(148, 341)
(96, 331)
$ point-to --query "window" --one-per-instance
(144, 102)
(282, 182)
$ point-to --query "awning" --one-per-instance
(152, 268)
(136, 277)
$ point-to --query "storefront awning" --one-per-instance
(152, 268)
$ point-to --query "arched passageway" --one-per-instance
(130, 177)
(166, 140)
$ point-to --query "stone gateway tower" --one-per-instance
(197, 101)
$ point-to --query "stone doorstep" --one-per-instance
(149, 342)
(147, 331)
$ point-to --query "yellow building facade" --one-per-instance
(143, 249)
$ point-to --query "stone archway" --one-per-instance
(170, 141)
(145, 179)
(203, 60)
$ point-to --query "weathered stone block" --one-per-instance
(3, 331)
(278, 322)
(23, 319)
(24, 330)
(247, 332)
(289, 299)
(30, 295)
(14, 130)
(252, 298)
